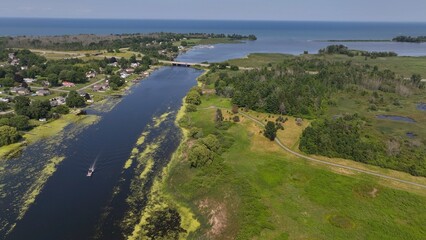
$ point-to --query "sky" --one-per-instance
(291, 10)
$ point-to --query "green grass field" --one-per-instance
(405, 66)
(257, 191)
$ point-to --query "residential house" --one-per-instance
(100, 87)
(68, 84)
(11, 56)
(20, 91)
(134, 65)
(43, 92)
(114, 64)
(29, 80)
(5, 100)
(124, 75)
(24, 68)
(14, 62)
(129, 70)
(91, 74)
(57, 101)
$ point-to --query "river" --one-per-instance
(73, 206)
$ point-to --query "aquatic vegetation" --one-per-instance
(161, 119)
(148, 168)
(45, 131)
(31, 195)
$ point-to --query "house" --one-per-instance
(20, 91)
(129, 70)
(24, 68)
(134, 65)
(5, 100)
(100, 87)
(68, 84)
(114, 64)
(42, 92)
(14, 62)
(42, 119)
(124, 75)
(29, 80)
(11, 56)
(57, 101)
(91, 74)
(45, 83)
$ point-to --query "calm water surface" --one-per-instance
(71, 204)
(273, 36)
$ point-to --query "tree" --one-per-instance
(39, 109)
(270, 131)
(416, 79)
(8, 135)
(22, 105)
(132, 59)
(7, 82)
(196, 132)
(75, 100)
(3, 106)
(211, 142)
(146, 61)
(219, 116)
(184, 43)
(61, 109)
(116, 82)
(53, 79)
(193, 97)
(19, 122)
(199, 155)
(234, 109)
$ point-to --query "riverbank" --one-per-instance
(44, 131)
(257, 190)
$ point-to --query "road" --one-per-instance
(195, 64)
(7, 112)
(90, 85)
(51, 89)
(282, 146)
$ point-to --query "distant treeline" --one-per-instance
(342, 49)
(410, 39)
(114, 41)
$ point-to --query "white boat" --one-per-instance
(90, 172)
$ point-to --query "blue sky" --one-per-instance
(322, 10)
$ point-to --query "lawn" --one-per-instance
(257, 191)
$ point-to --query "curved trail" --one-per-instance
(282, 146)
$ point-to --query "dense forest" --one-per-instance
(306, 88)
(410, 39)
(342, 49)
(347, 137)
(302, 87)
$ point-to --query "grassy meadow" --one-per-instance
(404, 66)
(258, 191)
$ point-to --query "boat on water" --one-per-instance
(90, 172)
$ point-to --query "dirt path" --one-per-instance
(278, 141)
